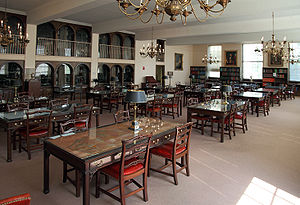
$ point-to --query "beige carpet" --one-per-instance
(259, 167)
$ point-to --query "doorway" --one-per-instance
(160, 72)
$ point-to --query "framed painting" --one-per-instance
(231, 58)
(178, 61)
(275, 60)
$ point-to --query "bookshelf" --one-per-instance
(275, 76)
(199, 73)
(230, 74)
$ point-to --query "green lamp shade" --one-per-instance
(135, 96)
(226, 89)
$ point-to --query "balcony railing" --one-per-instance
(57, 47)
(116, 52)
(14, 48)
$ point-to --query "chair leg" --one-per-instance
(187, 169)
(77, 181)
(28, 148)
(145, 193)
(122, 192)
(233, 128)
(97, 184)
(202, 127)
(212, 128)
(149, 164)
(243, 125)
(174, 172)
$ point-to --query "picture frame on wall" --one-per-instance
(230, 58)
(178, 61)
(275, 60)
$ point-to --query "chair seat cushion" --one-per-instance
(170, 105)
(80, 124)
(114, 169)
(260, 104)
(34, 133)
(239, 115)
(166, 150)
(156, 109)
(275, 97)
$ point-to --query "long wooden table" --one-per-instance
(213, 108)
(12, 121)
(99, 147)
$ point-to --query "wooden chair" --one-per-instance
(171, 106)
(261, 106)
(229, 122)
(154, 107)
(23, 199)
(134, 162)
(276, 98)
(242, 117)
(41, 103)
(121, 116)
(38, 124)
(17, 107)
(290, 93)
(172, 151)
(112, 100)
(58, 102)
(82, 115)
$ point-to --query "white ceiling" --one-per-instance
(242, 21)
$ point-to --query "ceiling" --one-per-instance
(242, 21)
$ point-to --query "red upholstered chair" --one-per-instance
(276, 98)
(172, 151)
(121, 116)
(241, 117)
(154, 107)
(23, 199)
(171, 106)
(290, 93)
(134, 162)
(261, 106)
(112, 100)
(37, 127)
(82, 115)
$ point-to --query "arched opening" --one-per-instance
(128, 75)
(128, 48)
(82, 45)
(116, 49)
(44, 72)
(64, 75)
(82, 76)
(11, 75)
(104, 46)
(103, 74)
(116, 75)
(65, 46)
(45, 44)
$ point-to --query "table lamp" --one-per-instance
(226, 89)
(135, 96)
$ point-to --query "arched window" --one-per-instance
(45, 44)
(103, 46)
(116, 51)
(10, 75)
(64, 75)
(66, 46)
(116, 74)
(128, 48)
(103, 74)
(82, 43)
(128, 74)
(44, 73)
(82, 75)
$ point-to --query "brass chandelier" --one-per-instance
(134, 9)
(152, 50)
(210, 59)
(6, 37)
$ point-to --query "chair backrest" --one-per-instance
(245, 109)
(23, 199)
(192, 101)
(135, 151)
(17, 107)
(182, 138)
(121, 116)
(232, 111)
(70, 126)
(58, 102)
(41, 103)
(39, 120)
(83, 113)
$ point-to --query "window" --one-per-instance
(213, 70)
(252, 61)
(295, 68)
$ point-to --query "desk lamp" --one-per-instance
(135, 96)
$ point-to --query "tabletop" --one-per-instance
(101, 141)
(266, 90)
(217, 105)
(251, 95)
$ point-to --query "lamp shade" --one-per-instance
(165, 77)
(226, 88)
(135, 96)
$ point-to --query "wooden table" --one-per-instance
(270, 91)
(31, 100)
(198, 93)
(99, 147)
(251, 96)
(213, 108)
(12, 121)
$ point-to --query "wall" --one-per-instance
(179, 76)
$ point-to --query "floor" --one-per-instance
(259, 167)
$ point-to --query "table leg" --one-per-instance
(46, 171)
(180, 102)
(87, 95)
(222, 130)
(272, 100)
(257, 110)
(101, 104)
(9, 151)
(86, 186)
(97, 119)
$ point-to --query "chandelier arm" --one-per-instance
(128, 14)
(162, 18)
(217, 15)
(184, 4)
(139, 6)
(161, 3)
(183, 21)
(146, 21)
(198, 19)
